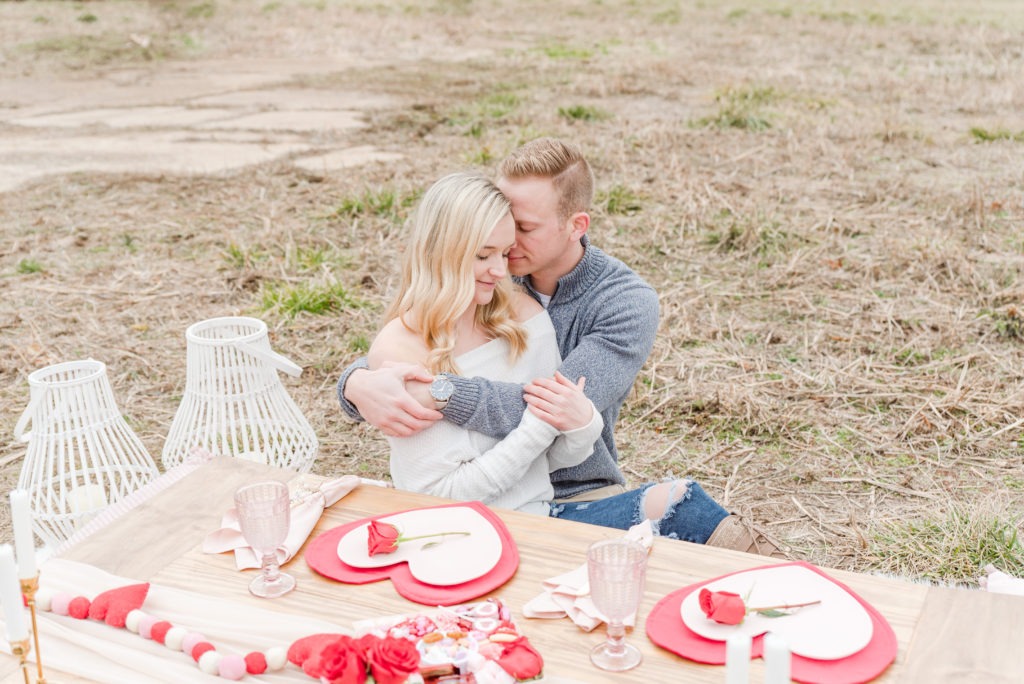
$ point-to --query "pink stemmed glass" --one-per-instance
(617, 569)
(264, 513)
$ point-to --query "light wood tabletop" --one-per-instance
(944, 635)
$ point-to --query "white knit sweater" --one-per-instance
(450, 461)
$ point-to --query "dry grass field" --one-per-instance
(828, 196)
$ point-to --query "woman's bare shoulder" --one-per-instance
(397, 344)
(525, 306)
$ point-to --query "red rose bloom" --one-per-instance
(392, 660)
(724, 607)
(521, 660)
(382, 538)
(339, 661)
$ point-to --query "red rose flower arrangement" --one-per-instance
(384, 537)
(340, 659)
(728, 608)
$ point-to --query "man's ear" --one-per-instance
(579, 223)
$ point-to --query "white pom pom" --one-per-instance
(43, 598)
(175, 637)
(131, 621)
(209, 662)
(277, 658)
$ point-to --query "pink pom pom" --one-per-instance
(159, 631)
(79, 607)
(255, 663)
(60, 602)
(200, 649)
(146, 626)
(190, 641)
(231, 667)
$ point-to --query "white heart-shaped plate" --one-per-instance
(836, 628)
(456, 559)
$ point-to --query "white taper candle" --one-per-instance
(737, 659)
(24, 542)
(10, 596)
(777, 660)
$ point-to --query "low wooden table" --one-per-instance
(944, 635)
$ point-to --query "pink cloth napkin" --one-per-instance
(999, 582)
(568, 594)
(307, 507)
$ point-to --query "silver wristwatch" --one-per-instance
(441, 389)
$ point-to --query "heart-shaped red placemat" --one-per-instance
(322, 556)
(665, 627)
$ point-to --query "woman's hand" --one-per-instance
(559, 402)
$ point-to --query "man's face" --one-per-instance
(542, 238)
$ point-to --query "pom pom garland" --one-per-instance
(119, 608)
(160, 630)
(255, 663)
(60, 602)
(79, 608)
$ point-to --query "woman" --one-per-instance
(458, 312)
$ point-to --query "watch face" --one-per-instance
(441, 389)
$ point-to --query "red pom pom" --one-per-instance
(114, 605)
(200, 649)
(255, 663)
(79, 608)
(159, 631)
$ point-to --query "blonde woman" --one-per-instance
(458, 312)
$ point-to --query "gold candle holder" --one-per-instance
(29, 588)
(21, 649)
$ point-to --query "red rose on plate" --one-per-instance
(724, 607)
(392, 660)
(338, 661)
(520, 659)
(382, 537)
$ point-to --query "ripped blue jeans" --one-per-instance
(692, 517)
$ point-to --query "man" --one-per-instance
(605, 317)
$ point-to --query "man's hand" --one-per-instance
(382, 399)
(559, 402)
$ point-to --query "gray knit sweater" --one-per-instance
(605, 319)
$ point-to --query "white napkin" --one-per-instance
(999, 582)
(307, 507)
(569, 593)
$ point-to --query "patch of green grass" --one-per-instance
(482, 157)
(92, 49)
(619, 199)
(560, 51)
(583, 113)
(270, 7)
(359, 344)
(985, 135)
(950, 549)
(243, 257)
(1009, 323)
(202, 10)
(88, 18)
(27, 266)
(381, 202)
(291, 300)
(742, 108)
(311, 259)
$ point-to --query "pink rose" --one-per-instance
(724, 607)
(392, 660)
(382, 538)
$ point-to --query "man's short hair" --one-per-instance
(560, 161)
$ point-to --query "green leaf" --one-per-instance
(772, 613)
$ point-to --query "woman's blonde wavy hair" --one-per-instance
(450, 225)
